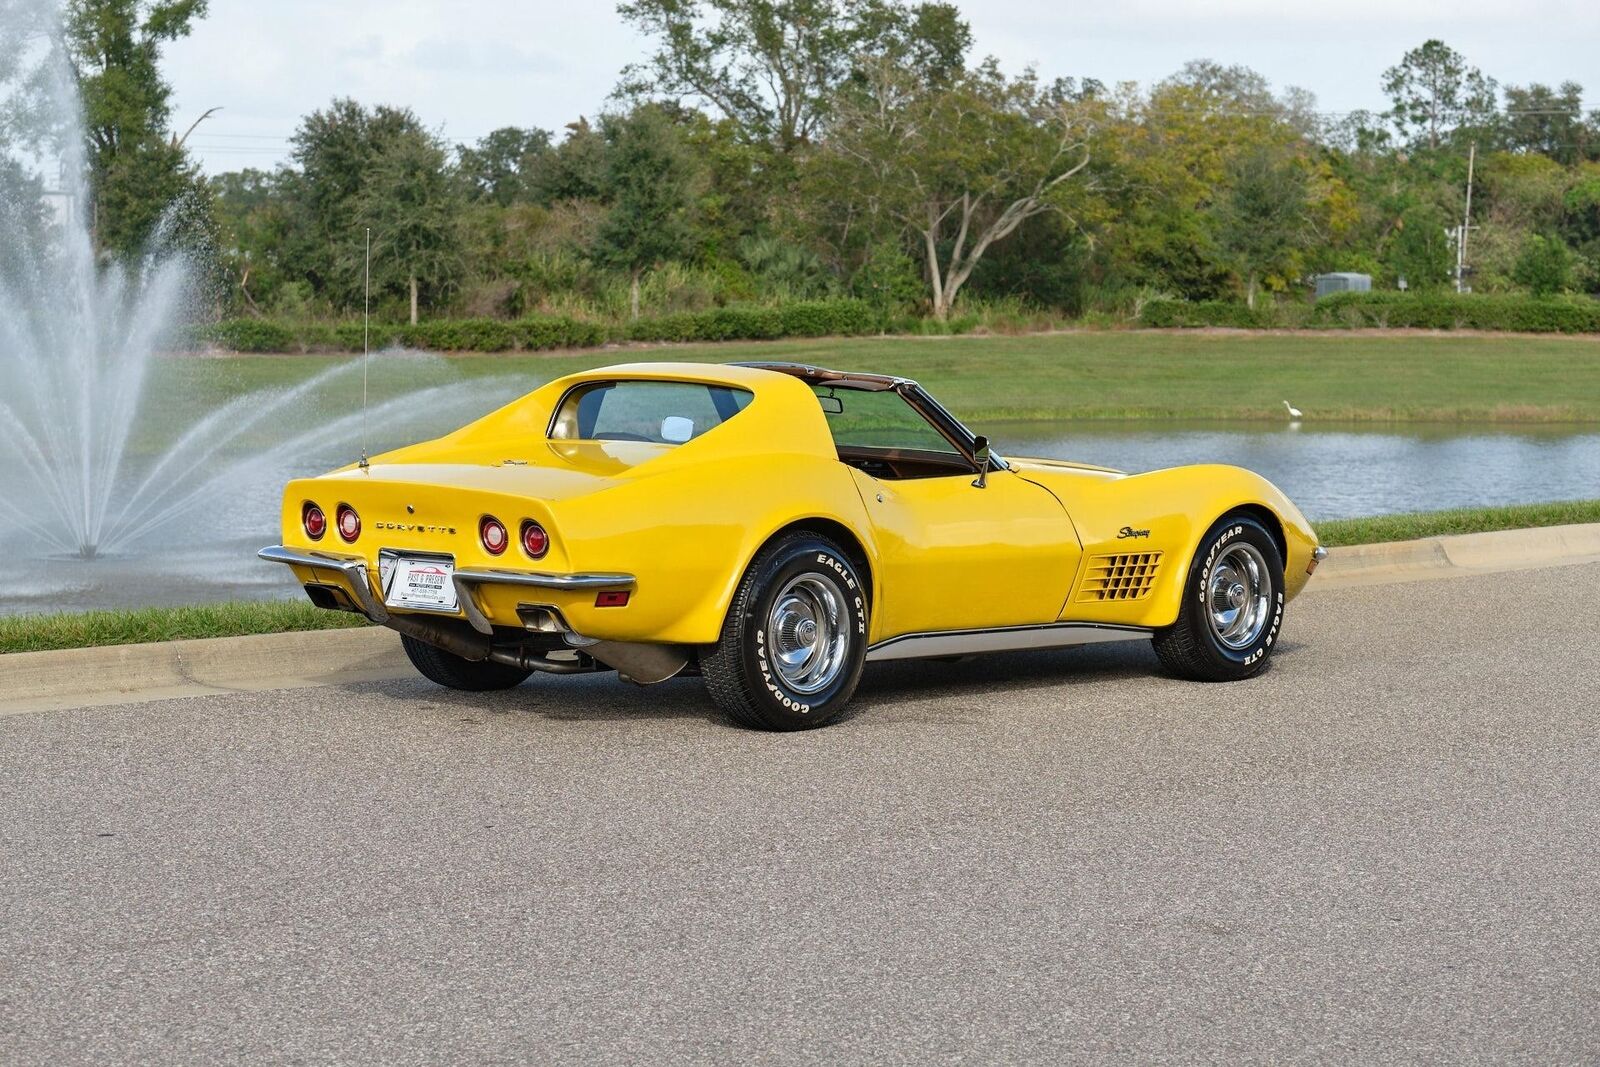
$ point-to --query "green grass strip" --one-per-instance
(42, 633)
(1460, 521)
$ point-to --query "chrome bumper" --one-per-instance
(1318, 554)
(358, 577)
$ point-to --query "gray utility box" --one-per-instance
(1343, 283)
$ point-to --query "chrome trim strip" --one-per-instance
(352, 568)
(467, 583)
(1001, 639)
(541, 580)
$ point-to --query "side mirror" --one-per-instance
(980, 456)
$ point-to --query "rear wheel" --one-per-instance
(1232, 606)
(453, 672)
(795, 638)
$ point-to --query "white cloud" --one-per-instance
(471, 66)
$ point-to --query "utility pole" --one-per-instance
(1466, 224)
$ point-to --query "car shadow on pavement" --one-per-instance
(904, 684)
(594, 698)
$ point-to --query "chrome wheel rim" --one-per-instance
(808, 633)
(1239, 596)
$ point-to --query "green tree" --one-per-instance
(1262, 221)
(1435, 92)
(412, 204)
(574, 170)
(773, 65)
(499, 166)
(1420, 250)
(958, 167)
(137, 166)
(650, 180)
(1548, 121)
(1545, 266)
(336, 151)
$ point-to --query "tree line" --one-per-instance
(781, 150)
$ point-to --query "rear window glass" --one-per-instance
(661, 413)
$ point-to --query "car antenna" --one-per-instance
(366, 347)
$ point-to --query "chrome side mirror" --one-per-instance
(980, 456)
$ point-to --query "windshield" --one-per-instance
(661, 413)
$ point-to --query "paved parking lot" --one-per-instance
(1386, 848)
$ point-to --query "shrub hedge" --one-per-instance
(1164, 314)
(821, 318)
(1452, 311)
(1427, 311)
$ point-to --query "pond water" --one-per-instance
(1345, 471)
(1330, 471)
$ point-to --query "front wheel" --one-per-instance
(1232, 606)
(795, 638)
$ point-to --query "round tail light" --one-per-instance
(492, 532)
(535, 542)
(349, 522)
(315, 522)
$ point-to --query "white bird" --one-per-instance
(1294, 412)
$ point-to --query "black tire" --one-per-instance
(740, 672)
(1192, 647)
(453, 672)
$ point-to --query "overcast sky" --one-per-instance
(470, 66)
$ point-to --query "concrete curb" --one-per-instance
(1460, 554)
(116, 674)
(120, 674)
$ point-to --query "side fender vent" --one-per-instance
(1124, 577)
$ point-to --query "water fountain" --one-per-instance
(112, 491)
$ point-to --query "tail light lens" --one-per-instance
(349, 522)
(492, 532)
(315, 522)
(535, 542)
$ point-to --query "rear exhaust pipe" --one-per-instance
(476, 647)
(469, 644)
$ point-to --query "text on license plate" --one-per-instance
(419, 583)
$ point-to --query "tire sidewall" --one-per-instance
(1250, 659)
(777, 700)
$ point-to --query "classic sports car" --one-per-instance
(775, 527)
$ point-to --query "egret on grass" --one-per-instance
(1294, 412)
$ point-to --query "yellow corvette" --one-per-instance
(775, 527)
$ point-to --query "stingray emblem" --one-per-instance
(1128, 531)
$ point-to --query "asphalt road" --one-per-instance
(1385, 849)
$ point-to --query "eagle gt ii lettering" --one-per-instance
(776, 527)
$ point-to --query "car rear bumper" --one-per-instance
(353, 574)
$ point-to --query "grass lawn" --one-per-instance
(1460, 521)
(43, 633)
(1360, 375)
(40, 633)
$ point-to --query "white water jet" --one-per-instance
(90, 468)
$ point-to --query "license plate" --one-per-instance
(423, 584)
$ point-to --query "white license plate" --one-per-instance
(423, 584)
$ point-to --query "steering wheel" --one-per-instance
(619, 435)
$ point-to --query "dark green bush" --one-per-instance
(815, 318)
(244, 335)
(1421, 311)
(1163, 314)
(1452, 311)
